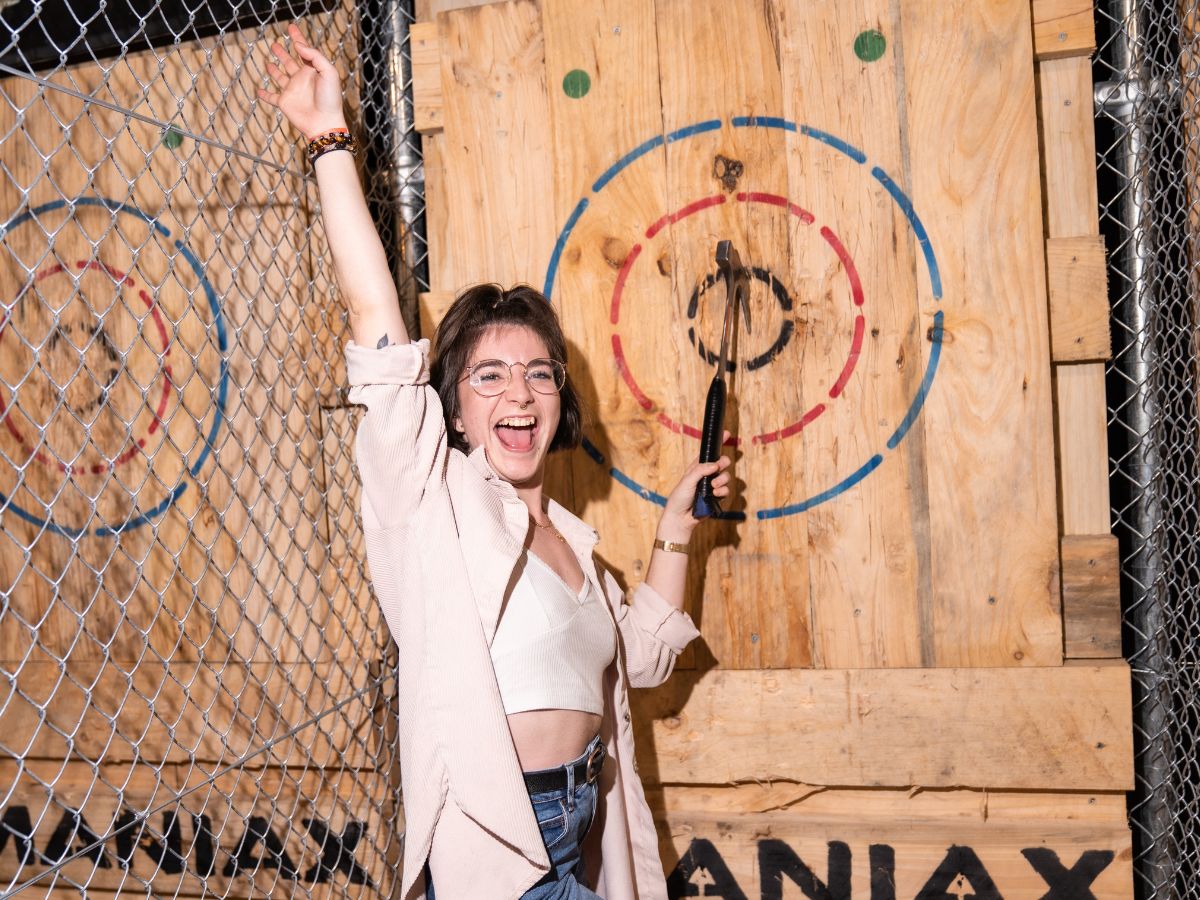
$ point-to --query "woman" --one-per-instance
(516, 651)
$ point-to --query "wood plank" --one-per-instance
(994, 566)
(1091, 596)
(615, 45)
(428, 9)
(438, 217)
(746, 568)
(965, 805)
(1079, 395)
(866, 551)
(1063, 28)
(493, 77)
(1189, 59)
(859, 843)
(229, 572)
(256, 832)
(1079, 314)
(1068, 147)
(426, 49)
(433, 306)
(1066, 727)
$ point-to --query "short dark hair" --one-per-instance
(473, 312)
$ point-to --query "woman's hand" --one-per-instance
(677, 522)
(310, 89)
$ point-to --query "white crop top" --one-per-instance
(552, 646)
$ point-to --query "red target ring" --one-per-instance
(856, 294)
(123, 280)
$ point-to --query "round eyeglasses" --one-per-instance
(492, 376)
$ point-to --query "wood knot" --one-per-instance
(728, 171)
(614, 252)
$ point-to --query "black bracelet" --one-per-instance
(330, 141)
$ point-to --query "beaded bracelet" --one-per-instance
(335, 139)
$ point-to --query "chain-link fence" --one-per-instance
(1147, 75)
(194, 681)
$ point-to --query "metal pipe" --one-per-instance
(396, 183)
(1129, 101)
(410, 168)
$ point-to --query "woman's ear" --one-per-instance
(458, 424)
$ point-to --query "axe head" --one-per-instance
(737, 280)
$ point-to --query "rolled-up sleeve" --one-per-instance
(653, 633)
(400, 444)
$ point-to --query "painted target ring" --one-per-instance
(756, 362)
(116, 375)
(901, 202)
(122, 280)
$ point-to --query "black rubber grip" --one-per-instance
(706, 504)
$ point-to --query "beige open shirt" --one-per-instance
(443, 536)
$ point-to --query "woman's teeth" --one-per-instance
(517, 421)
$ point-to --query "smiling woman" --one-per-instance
(516, 649)
(488, 324)
(503, 411)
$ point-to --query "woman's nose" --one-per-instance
(518, 387)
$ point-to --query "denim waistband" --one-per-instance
(582, 757)
(583, 769)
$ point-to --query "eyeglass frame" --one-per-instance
(557, 367)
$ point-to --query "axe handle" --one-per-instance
(706, 504)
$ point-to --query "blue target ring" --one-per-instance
(903, 203)
(193, 467)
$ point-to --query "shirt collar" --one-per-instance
(580, 536)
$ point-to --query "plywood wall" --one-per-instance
(178, 568)
(919, 559)
(858, 436)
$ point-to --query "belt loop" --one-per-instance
(570, 767)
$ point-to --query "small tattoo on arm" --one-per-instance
(383, 342)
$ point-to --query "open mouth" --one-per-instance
(517, 433)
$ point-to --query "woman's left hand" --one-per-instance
(677, 522)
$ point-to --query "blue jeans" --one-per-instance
(564, 817)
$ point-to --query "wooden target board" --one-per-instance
(894, 542)
(186, 622)
(159, 379)
(884, 192)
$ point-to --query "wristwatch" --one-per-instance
(670, 546)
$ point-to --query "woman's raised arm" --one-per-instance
(310, 96)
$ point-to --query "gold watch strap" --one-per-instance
(670, 546)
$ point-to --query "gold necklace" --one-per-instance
(550, 525)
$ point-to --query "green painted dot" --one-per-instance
(869, 45)
(172, 138)
(576, 83)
